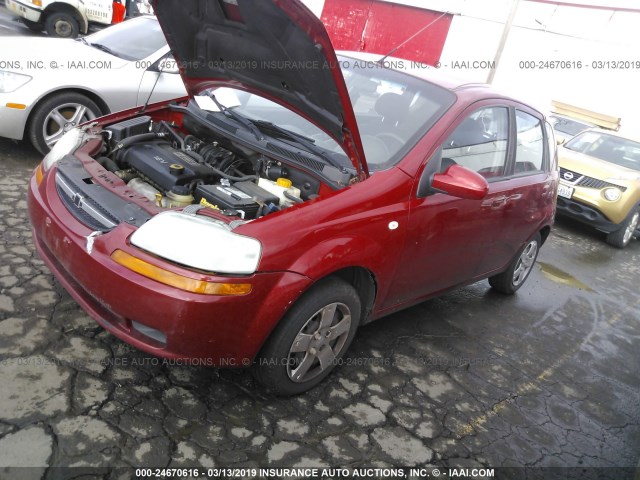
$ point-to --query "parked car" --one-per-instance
(567, 127)
(49, 86)
(600, 183)
(295, 196)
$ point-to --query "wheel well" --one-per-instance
(544, 233)
(104, 109)
(365, 284)
(64, 8)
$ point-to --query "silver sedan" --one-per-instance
(49, 85)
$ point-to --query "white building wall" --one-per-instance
(546, 33)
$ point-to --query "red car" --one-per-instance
(294, 196)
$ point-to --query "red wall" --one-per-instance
(378, 27)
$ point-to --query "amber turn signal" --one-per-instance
(39, 175)
(158, 274)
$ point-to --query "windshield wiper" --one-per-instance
(308, 143)
(236, 116)
(104, 48)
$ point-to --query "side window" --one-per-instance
(479, 143)
(530, 146)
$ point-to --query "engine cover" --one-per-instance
(165, 167)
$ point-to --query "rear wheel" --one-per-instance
(62, 24)
(58, 114)
(623, 236)
(509, 281)
(310, 340)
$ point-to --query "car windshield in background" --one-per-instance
(394, 110)
(568, 126)
(610, 148)
(134, 39)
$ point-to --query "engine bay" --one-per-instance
(177, 166)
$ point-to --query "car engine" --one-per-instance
(172, 167)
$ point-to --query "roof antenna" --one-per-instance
(394, 50)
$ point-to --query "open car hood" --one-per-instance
(274, 48)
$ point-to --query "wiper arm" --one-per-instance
(307, 142)
(236, 116)
(104, 48)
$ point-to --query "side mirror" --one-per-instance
(460, 182)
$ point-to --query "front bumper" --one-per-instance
(156, 318)
(585, 214)
(25, 10)
(12, 120)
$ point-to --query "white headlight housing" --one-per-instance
(612, 194)
(198, 242)
(10, 81)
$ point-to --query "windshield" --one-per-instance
(134, 39)
(568, 126)
(393, 110)
(610, 148)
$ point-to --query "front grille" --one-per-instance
(585, 181)
(90, 203)
(83, 208)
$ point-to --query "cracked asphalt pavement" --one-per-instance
(546, 378)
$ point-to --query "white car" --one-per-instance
(49, 85)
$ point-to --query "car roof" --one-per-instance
(434, 75)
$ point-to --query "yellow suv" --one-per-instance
(600, 183)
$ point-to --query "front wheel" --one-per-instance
(62, 24)
(509, 281)
(57, 115)
(310, 340)
(623, 236)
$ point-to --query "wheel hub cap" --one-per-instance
(319, 342)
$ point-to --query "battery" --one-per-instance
(258, 193)
(228, 198)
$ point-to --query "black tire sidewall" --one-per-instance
(43, 109)
(269, 369)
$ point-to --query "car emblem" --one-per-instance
(77, 200)
(568, 175)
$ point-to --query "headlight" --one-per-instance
(10, 81)
(198, 242)
(69, 142)
(612, 194)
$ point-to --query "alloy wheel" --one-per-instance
(319, 342)
(525, 263)
(631, 228)
(62, 119)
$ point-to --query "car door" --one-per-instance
(531, 180)
(452, 240)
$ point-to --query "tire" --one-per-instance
(57, 114)
(621, 238)
(509, 281)
(33, 26)
(62, 24)
(290, 361)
